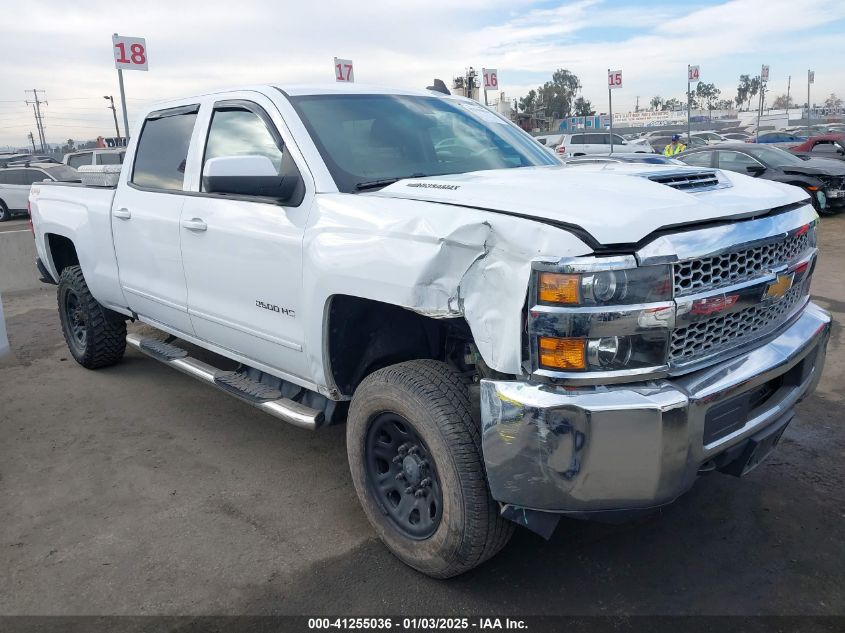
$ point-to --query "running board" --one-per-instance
(242, 387)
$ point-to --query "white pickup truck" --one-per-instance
(508, 340)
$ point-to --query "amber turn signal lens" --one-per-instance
(557, 288)
(562, 353)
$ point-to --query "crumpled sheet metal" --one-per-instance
(438, 260)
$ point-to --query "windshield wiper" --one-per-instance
(384, 182)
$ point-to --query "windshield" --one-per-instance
(368, 141)
(774, 157)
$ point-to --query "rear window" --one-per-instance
(110, 158)
(163, 149)
(78, 160)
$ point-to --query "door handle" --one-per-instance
(196, 224)
(123, 213)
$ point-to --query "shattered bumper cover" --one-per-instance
(641, 445)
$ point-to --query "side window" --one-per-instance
(578, 139)
(4, 177)
(734, 161)
(699, 159)
(824, 147)
(31, 176)
(239, 131)
(109, 158)
(618, 140)
(77, 160)
(163, 149)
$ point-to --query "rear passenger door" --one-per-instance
(146, 219)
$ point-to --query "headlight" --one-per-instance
(600, 315)
(605, 287)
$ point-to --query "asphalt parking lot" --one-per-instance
(136, 490)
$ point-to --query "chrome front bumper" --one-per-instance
(641, 445)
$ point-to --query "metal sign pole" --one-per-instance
(123, 104)
(808, 98)
(610, 110)
(689, 107)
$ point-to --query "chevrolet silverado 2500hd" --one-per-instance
(507, 339)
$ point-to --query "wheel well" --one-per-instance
(62, 251)
(364, 336)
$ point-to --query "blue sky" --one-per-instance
(64, 47)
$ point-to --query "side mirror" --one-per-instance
(755, 170)
(246, 176)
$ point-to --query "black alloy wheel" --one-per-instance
(75, 320)
(402, 476)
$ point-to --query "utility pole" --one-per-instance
(788, 86)
(32, 140)
(37, 127)
(810, 77)
(114, 114)
(637, 107)
(38, 118)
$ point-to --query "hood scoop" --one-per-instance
(690, 180)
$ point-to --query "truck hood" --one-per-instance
(612, 204)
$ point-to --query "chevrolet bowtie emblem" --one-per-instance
(779, 286)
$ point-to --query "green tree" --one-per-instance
(528, 102)
(707, 95)
(833, 102)
(742, 90)
(558, 94)
(672, 104)
(782, 102)
(656, 102)
(753, 89)
(583, 107)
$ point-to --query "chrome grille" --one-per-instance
(713, 335)
(688, 180)
(700, 275)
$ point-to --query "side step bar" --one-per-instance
(250, 391)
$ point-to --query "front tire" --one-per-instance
(95, 336)
(5, 214)
(415, 457)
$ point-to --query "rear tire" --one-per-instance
(95, 336)
(5, 214)
(422, 416)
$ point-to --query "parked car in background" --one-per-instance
(710, 137)
(823, 146)
(823, 179)
(739, 136)
(99, 156)
(597, 159)
(22, 159)
(16, 181)
(583, 143)
(778, 139)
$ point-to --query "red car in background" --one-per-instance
(822, 146)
